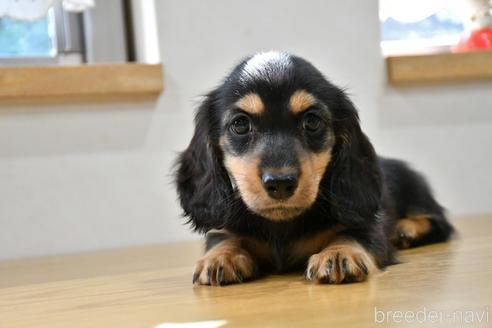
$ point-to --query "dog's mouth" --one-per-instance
(281, 212)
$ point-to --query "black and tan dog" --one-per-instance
(281, 178)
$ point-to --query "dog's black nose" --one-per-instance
(280, 185)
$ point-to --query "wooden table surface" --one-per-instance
(151, 287)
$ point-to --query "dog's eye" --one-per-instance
(311, 122)
(241, 125)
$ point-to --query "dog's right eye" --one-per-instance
(241, 125)
(312, 122)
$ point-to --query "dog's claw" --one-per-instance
(195, 277)
(311, 272)
(239, 276)
(220, 276)
(209, 275)
(364, 268)
(345, 268)
(329, 267)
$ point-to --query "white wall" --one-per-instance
(82, 177)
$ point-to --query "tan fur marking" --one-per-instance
(251, 103)
(300, 101)
(409, 229)
(342, 261)
(245, 172)
(313, 167)
(260, 251)
(310, 245)
(222, 142)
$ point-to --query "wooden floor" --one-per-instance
(151, 287)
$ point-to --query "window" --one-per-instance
(111, 33)
(54, 38)
(438, 31)
(416, 26)
(97, 35)
(28, 39)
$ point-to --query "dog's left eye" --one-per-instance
(241, 125)
(312, 122)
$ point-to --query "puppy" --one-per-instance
(281, 178)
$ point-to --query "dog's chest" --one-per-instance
(290, 255)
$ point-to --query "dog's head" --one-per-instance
(270, 134)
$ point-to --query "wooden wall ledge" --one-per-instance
(81, 82)
(445, 67)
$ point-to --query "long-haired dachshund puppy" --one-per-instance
(281, 178)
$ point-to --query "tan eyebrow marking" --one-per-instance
(251, 103)
(300, 101)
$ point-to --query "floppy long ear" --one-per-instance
(354, 178)
(201, 179)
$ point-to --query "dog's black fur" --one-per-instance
(360, 191)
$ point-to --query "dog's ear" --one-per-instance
(354, 178)
(201, 179)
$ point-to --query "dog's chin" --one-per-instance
(280, 213)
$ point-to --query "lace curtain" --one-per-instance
(35, 9)
(416, 10)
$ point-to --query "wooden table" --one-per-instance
(151, 287)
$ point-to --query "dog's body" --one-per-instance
(280, 177)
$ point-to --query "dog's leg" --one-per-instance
(416, 218)
(342, 261)
(229, 259)
(418, 230)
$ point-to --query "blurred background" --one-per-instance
(90, 175)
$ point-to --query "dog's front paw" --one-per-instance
(342, 262)
(224, 266)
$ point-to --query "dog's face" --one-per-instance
(276, 134)
(277, 138)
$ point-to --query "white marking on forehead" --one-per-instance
(267, 66)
